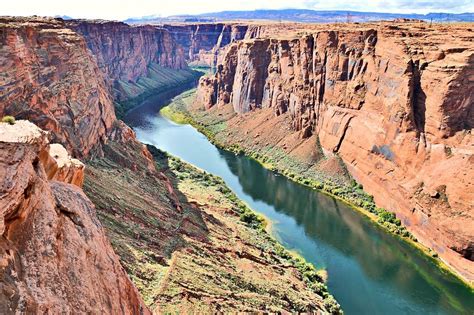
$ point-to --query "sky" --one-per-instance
(122, 9)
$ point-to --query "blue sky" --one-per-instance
(121, 9)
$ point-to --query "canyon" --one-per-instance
(203, 42)
(92, 237)
(389, 105)
(393, 101)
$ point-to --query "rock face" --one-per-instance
(202, 42)
(395, 102)
(60, 166)
(54, 255)
(49, 77)
(64, 76)
(124, 52)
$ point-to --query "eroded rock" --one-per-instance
(49, 77)
(54, 254)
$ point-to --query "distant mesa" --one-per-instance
(303, 15)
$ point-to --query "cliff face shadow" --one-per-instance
(459, 107)
(417, 97)
(419, 104)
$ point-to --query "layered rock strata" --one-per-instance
(394, 101)
(124, 52)
(202, 42)
(48, 76)
(54, 255)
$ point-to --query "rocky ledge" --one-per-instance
(54, 255)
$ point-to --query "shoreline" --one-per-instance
(316, 278)
(184, 117)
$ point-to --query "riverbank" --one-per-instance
(189, 244)
(213, 126)
(158, 80)
(210, 191)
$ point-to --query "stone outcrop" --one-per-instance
(49, 77)
(124, 52)
(202, 42)
(394, 101)
(60, 166)
(54, 255)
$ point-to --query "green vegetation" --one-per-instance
(311, 276)
(186, 171)
(8, 119)
(159, 79)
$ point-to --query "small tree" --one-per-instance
(9, 120)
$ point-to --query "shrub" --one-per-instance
(387, 216)
(250, 218)
(331, 305)
(9, 120)
(320, 288)
(318, 185)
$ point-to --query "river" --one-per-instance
(369, 271)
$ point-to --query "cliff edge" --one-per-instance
(55, 256)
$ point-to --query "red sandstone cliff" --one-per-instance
(49, 77)
(65, 76)
(124, 52)
(395, 102)
(54, 255)
(202, 42)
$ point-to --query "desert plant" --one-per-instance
(331, 305)
(8, 119)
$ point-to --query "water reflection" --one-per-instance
(369, 271)
(382, 258)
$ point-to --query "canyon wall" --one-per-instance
(54, 254)
(65, 76)
(394, 101)
(48, 76)
(202, 42)
(124, 52)
(135, 60)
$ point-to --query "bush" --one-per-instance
(318, 185)
(387, 216)
(320, 288)
(9, 120)
(331, 305)
(250, 218)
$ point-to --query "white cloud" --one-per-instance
(121, 9)
(396, 6)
